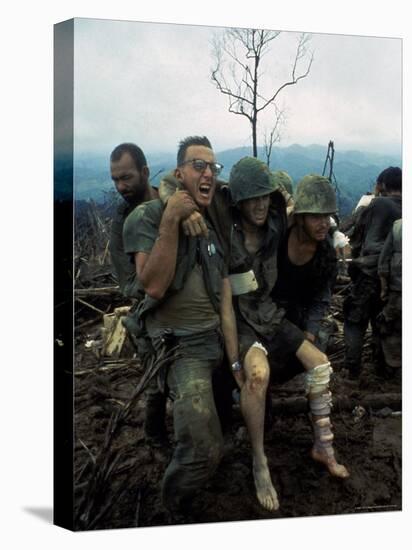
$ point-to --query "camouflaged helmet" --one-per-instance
(250, 178)
(314, 195)
(282, 178)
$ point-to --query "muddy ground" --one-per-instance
(118, 478)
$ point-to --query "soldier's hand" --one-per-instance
(180, 205)
(195, 226)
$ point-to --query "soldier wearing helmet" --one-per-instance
(285, 184)
(256, 213)
(307, 258)
(283, 179)
(266, 336)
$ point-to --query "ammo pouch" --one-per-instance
(138, 334)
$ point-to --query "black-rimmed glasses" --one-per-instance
(200, 166)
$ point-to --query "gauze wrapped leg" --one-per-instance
(320, 404)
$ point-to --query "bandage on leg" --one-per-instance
(320, 404)
(322, 450)
(317, 379)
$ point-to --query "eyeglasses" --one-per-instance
(200, 166)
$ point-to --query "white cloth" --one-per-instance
(340, 240)
(364, 201)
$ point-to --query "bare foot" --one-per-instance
(335, 469)
(265, 491)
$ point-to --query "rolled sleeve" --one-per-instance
(141, 227)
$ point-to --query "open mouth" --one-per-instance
(204, 190)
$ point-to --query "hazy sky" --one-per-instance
(150, 83)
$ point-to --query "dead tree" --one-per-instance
(237, 71)
(274, 135)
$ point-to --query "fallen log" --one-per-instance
(298, 405)
(103, 291)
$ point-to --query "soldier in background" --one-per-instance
(130, 174)
(363, 303)
(285, 185)
(389, 320)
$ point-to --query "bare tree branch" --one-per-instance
(238, 54)
(275, 134)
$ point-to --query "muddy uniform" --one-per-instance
(126, 274)
(189, 313)
(363, 303)
(390, 320)
(259, 319)
(305, 291)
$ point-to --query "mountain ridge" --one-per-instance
(355, 171)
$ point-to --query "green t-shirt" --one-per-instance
(200, 269)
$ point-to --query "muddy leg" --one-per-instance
(252, 404)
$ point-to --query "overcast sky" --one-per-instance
(150, 83)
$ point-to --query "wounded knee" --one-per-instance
(257, 377)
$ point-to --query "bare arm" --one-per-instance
(194, 225)
(229, 328)
(156, 270)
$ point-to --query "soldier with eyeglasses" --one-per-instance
(188, 298)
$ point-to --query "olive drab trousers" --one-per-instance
(198, 434)
(361, 306)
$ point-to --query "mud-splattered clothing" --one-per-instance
(390, 319)
(363, 302)
(201, 268)
(122, 263)
(259, 319)
(390, 259)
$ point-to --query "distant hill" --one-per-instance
(355, 171)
